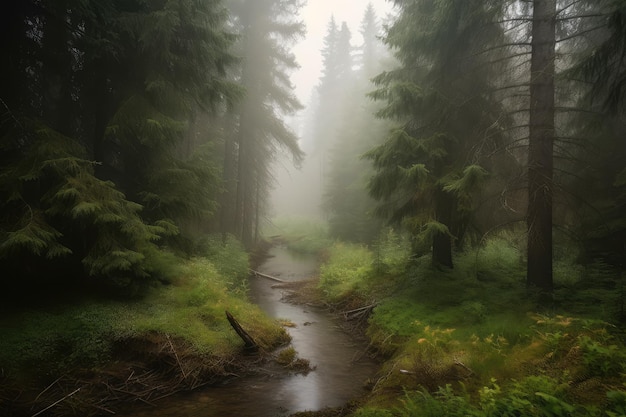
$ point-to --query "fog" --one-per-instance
(299, 191)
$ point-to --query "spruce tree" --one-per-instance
(267, 27)
(102, 98)
(346, 201)
(429, 165)
(540, 146)
(599, 154)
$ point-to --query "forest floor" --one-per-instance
(100, 357)
(451, 341)
(473, 341)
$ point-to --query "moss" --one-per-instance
(39, 345)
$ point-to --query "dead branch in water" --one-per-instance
(262, 275)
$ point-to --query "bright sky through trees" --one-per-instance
(316, 15)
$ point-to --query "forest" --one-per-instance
(463, 167)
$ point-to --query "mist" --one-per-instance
(301, 191)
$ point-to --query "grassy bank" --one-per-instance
(173, 338)
(472, 342)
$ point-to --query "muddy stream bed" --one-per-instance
(340, 367)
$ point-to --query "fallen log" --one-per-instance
(260, 274)
(249, 344)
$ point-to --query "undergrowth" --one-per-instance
(471, 341)
(304, 236)
(50, 341)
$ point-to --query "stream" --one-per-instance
(340, 367)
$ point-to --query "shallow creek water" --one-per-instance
(341, 368)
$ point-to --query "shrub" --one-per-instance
(346, 271)
(301, 235)
(392, 253)
(229, 258)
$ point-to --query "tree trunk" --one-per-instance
(229, 177)
(442, 243)
(540, 147)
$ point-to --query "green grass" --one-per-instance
(347, 271)
(51, 341)
(300, 235)
(472, 342)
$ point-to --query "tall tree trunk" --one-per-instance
(257, 214)
(540, 147)
(442, 243)
(242, 165)
(229, 177)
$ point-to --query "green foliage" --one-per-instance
(616, 403)
(423, 174)
(532, 396)
(399, 317)
(471, 325)
(345, 132)
(86, 142)
(74, 213)
(83, 335)
(372, 412)
(444, 403)
(267, 30)
(498, 260)
(53, 342)
(287, 356)
(300, 235)
(603, 359)
(228, 256)
(392, 253)
(346, 271)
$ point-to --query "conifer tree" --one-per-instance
(598, 158)
(103, 95)
(540, 145)
(429, 166)
(334, 87)
(267, 27)
(346, 201)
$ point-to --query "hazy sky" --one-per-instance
(316, 15)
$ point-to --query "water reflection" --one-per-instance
(337, 377)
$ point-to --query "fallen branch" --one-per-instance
(250, 344)
(180, 365)
(260, 274)
(358, 312)
(56, 402)
(47, 388)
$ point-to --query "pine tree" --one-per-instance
(346, 201)
(103, 97)
(598, 159)
(540, 146)
(266, 26)
(428, 168)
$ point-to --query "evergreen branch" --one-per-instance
(575, 35)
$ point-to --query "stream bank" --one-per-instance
(339, 368)
(157, 373)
